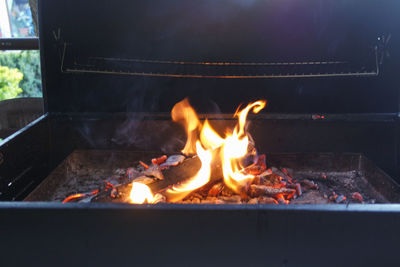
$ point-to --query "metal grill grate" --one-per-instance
(223, 69)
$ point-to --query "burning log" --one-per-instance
(154, 171)
(188, 168)
(145, 180)
(262, 190)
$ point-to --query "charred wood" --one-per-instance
(262, 190)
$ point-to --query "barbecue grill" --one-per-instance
(112, 71)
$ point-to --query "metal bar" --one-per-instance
(24, 160)
(313, 208)
(222, 76)
(19, 43)
(220, 63)
(362, 117)
(262, 236)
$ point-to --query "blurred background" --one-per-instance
(20, 76)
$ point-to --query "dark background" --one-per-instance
(226, 30)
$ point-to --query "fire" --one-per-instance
(185, 114)
(235, 147)
(211, 148)
(141, 193)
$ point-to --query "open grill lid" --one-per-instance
(144, 56)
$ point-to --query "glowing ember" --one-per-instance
(76, 197)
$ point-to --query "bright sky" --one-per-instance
(4, 20)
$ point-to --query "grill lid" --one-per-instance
(123, 56)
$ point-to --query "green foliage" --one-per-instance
(28, 62)
(9, 81)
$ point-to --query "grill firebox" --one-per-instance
(86, 171)
(113, 71)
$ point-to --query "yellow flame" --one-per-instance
(242, 115)
(209, 138)
(202, 177)
(141, 193)
(183, 113)
(235, 148)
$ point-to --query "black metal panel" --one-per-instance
(193, 235)
(19, 43)
(24, 160)
(236, 30)
(374, 136)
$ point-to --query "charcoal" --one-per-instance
(258, 167)
(81, 197)
(123, 192)
(270, 180)
(299, 191)
(340, 198)
(132, 173)
(357, 197)
(215, 189)
(307, 184)
(173, 160)
(209, 200)
(260, 190)
(232, 199)
(196, 200)
(253, 201)
(280, 173)
(226, 191)
(154, 171)
(267, 200)
(159, 160)
(288, 172)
